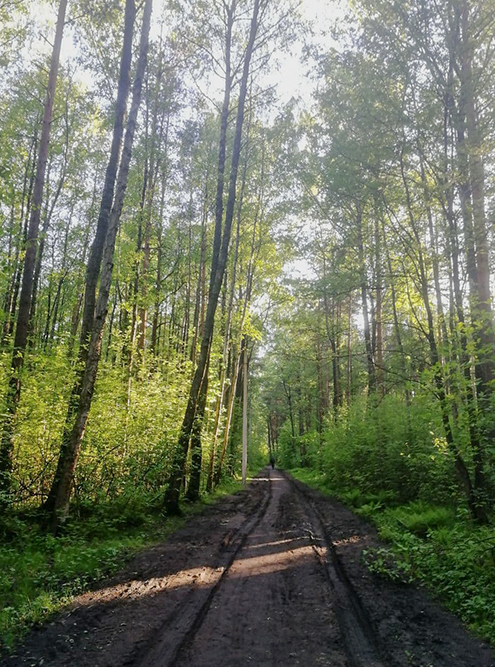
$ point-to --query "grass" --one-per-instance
(436, 546)
(40, 574)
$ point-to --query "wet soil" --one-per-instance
(271, 576)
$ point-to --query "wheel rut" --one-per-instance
(161, 651)
(270, 577)
(274, 604)
(359, 636)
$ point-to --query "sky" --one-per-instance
(321, 15)
(291, 76)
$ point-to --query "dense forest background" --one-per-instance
(178, 215)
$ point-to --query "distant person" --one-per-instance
(272, 461)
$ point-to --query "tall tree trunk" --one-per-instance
(48, 217)
(332, 338)
(236, 369)
(222, 146)
(398, 333)
(349, 353)
(477, 511)
(320, 406)
(193, 488)
(159, 260)
(95, 257)
(157, 136)
(481, 304)
(335, 344)
(192, 423)
(69, 453)
(219, 262)
(226, 340)
(364, 303)
(22, 328)
(245, 411)
(134, 297)
(228, 418)
(11, 296)
(50, 335)
(288, 395)
(198, 316)
(76, 311)
(94, 260)
(378, 314)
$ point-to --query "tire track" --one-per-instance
(193, 612)
(260, 580)
(359, 636)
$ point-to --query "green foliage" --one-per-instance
(419, 518)
(127, 449)
(394, 449)
(368, 503)
(313, 478)
(392, 453)
(453, 559)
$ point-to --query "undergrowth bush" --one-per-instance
(451, 558)
(419, 518)
(393, 453)
(390, 449)
(130, 436)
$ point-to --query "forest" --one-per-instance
(241, 230)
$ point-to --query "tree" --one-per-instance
(61, 487)
(197, 396)
(27, 286)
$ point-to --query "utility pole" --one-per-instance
(245, 412)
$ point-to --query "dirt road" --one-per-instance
(271, 576)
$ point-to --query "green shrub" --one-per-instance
(456, 562)
(392, 449)
(419, 518)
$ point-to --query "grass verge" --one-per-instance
(40, 574)
(436, 546)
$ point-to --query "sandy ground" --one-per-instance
(271, 576)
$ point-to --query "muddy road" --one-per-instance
(272, 576)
